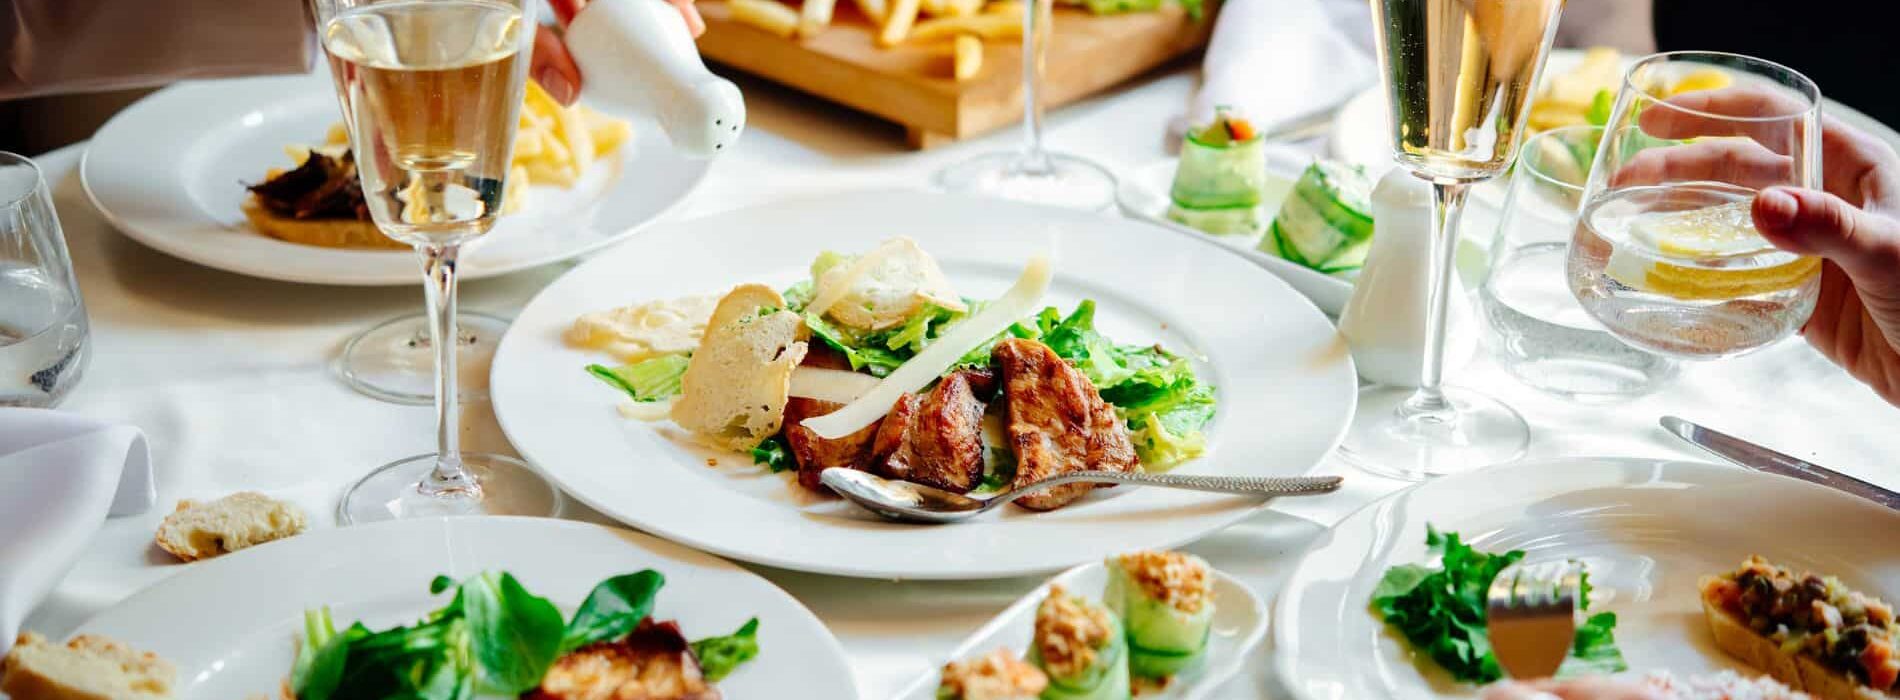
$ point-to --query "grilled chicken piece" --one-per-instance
(1058, 422)
(815, 454)
(936, 439)
(653, 663)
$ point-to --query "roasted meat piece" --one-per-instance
(815, 454)
(321, 188)
(1058, 422)
(934, 440)
(653, 663)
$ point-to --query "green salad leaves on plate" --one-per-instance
(1441, 611)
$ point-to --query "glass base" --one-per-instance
(1061, 180)
(502, 486)
(394, 362)
(1391, 439)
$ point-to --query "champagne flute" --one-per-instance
(1032, 173)
(1458, 77)
(431, 91)
(1666, 255)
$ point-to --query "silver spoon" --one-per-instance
(917, 503)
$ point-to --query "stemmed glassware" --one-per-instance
(1032, 173)
(431, 91)
(1666, 255)
(1458, 76)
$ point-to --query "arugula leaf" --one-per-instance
(655, 379)
(612, 609)
(774, 454)
(428, 661)
(515, 635)
(719, 656)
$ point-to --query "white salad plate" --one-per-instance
(170, 172)
(1240, 623)
(1646, 531)
(231, 625)
(1284, 380)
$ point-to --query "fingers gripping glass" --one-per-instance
(431, 91)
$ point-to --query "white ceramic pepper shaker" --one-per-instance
(1384, 321)
(640, 53)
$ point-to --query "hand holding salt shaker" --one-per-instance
(640, 53)
(1384, 321)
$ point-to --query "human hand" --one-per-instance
(1588, 688)
(555, 69)
(1853, 222)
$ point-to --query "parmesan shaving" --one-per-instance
(647, 411)
(834, 385)
(837, 282)
(940, 355)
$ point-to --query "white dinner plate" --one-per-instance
(1285, 382)
(170, 172)
(1240, 622)
(231, 624)
(1646, 531)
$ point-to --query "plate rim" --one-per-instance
(1349, 379)
(124, 119)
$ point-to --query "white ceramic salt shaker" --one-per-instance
(1384, 321)
(639, 53)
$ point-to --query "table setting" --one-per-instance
(1301, 366)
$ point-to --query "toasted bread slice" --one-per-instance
(199, 530)
(1797, 671)
(89, 667)
(327, 233)
(734, 391)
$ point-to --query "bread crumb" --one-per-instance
(710, 462)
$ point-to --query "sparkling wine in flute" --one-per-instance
(431, 90)
(1460, 75)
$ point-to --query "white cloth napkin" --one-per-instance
(61, 475)
(1279, 61)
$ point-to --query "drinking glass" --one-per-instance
(1458, 77)
(1666, 255)
(43, 330)
(431, 90)
(1539, 332)
(1032, 173)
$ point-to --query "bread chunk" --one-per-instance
(89, 667)
(244, 519)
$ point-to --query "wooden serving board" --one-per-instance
(911, 83)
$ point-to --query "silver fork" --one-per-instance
(1531, 614)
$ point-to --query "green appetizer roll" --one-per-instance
(998, 675)
(1326, 221)
(1080, 646)
(1166, 599)
(1217, 186)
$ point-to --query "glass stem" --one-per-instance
(1448, 202)
(449, 479)
(1037, 19)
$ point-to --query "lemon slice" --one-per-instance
(1669, 253)
(1712, 232)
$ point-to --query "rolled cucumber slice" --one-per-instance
(1106, 678)
(1162, 640)
(1217, 187)
(1326, 221)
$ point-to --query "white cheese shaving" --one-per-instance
(647, 411)
(884, 287)
(940, 355)
(834, 385)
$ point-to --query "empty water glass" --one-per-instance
(1539, 331)
(42, 319)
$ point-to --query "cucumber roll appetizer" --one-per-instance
(998, 675)
(1079, 645)
(1217, 186)
(1326, 221)
(1166, 600)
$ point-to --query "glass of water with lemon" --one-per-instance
(1665, 254)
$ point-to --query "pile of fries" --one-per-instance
(966, 23)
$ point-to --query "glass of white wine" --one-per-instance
(1458, 77)
(431, 91)
(1665, 254)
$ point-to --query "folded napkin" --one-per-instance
(61, 476)
(1282, 61)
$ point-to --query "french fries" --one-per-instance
(897, 26)
(875, 10)
(967, 57)
(768, 15)
(961, 8)
(814, 17)
(987, 26)
(933, 8)
(1004, 7)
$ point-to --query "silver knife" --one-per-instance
(1762, 459)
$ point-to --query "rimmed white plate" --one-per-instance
(170, 171)
(1646, 530)
(1240, 622)
(230, 625)
(1284, 379)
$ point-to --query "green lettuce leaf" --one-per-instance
(719, 656)
(774, 454)
(656, 379)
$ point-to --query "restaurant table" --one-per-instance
(232, 380)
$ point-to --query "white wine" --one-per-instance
(431, 91)
(1459, 75)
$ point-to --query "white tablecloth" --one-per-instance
(230, 378)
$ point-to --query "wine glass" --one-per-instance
(1458, 76)
(1665, 254)
(431, 91)
(1032, 173)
